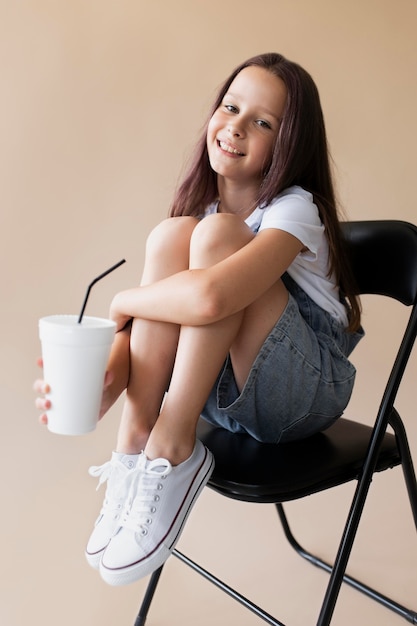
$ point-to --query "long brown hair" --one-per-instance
(300, 157)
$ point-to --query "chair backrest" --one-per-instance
(384, 257)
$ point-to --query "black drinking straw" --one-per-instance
(94, 282)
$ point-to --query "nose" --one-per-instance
(235, 129)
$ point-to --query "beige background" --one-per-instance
(100, 102)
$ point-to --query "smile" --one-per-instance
(224, 146)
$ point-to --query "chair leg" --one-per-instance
(406, 461)
(346, 543)
(248, 604)
(149, 594)
(153, 582)
(407, 614)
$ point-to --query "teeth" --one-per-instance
(227, 148)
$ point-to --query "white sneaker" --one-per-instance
(160, 501)
(117, 472)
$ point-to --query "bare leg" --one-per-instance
(188, 359)
(203, 349)
(258, 321)
(153, 344)
(117, 374)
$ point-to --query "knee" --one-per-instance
(217, 237)
(169, 234)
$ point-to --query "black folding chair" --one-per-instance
(384, 258)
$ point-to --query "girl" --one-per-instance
(246, 313)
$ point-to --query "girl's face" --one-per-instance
(242, 131)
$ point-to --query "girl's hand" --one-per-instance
(116, 314)
(42, 403)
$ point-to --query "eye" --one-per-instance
(264, 124)
(231, 108)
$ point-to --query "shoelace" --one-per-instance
(103, 471)
(144, 497)
(115, 473)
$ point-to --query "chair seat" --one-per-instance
(257, 472)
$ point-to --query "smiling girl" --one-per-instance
(245, 315)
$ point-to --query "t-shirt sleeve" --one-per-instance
(296, 214)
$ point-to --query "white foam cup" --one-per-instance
(74, 362)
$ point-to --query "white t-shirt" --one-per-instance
(294, 211)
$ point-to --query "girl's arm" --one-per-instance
(202, 296)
